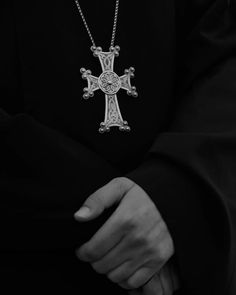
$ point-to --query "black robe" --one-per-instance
(181, 150)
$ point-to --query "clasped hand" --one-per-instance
(134, 243)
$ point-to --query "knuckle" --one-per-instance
(140, 240)
(117, 180)
(160, 245)
(128, 223)
(164, 252)
(170, 247)
(119, 184)
(162, 257)
(122, 183)
(150, 251)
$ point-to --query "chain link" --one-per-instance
(88, 29)
(115, 23)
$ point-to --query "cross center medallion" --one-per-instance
(110, 83)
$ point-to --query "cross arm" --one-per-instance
(92, 83)
(126, 84)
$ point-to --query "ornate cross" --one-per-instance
(110, 83)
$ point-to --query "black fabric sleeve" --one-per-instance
(44, 176)
(190, 170)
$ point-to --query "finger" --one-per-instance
(104, 240)
(103, 198)
(139, 278)
(109, 235)
(111, 262)
(123, 272)
(166, 280)
(126, 258)
(115, 259)
(153, 287)
(122, 260)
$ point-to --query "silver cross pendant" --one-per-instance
(110, 83)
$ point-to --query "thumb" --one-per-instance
(104, 198)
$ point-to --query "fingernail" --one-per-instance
(83, 212)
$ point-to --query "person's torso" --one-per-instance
(53, 45)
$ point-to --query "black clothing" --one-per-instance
(181, 150)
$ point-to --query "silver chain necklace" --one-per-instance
(109, 82)
(87, 27)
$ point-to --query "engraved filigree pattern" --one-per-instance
(113, 113)
(106, 61)
(110, 83)
(94, 83)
